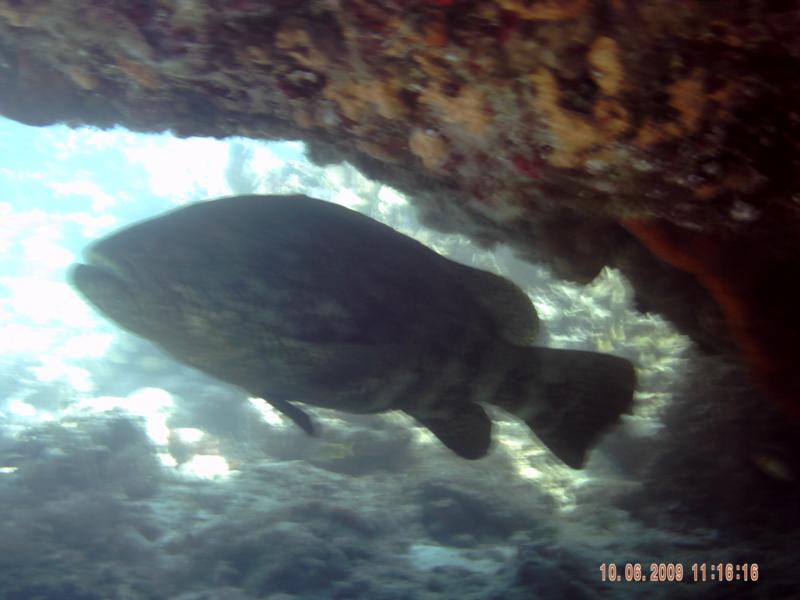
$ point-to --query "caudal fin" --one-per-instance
(567, 397)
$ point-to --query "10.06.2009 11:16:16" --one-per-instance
(674, 572)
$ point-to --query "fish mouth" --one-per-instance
(106, 283)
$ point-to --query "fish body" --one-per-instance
(296, 300)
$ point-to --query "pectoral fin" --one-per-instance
(295, 414)
(466, 429)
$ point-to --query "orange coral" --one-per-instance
(467, 109)
(357, 98)
(303, 118)
(749, 289)
(429, 146)
(298, 44)
(688, 97)
(378, 151)
(436, 34)
(546, 10)
(575, 136)
(82, 77)
(140, 73)
(258, 55)
(608, 70)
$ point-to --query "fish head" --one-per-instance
(142, 277)
(110, 278)
(184, 280)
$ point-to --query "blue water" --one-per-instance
(126, 475)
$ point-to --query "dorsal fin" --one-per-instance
(508, 307)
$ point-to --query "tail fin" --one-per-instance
(567, 397)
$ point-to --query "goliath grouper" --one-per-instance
(297, 300)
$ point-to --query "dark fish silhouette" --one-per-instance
(299, 300)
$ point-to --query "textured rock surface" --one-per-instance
(538, 123)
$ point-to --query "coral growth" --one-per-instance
(757, 293)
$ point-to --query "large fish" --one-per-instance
(297, 300)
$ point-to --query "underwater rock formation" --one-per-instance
(542, 124)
